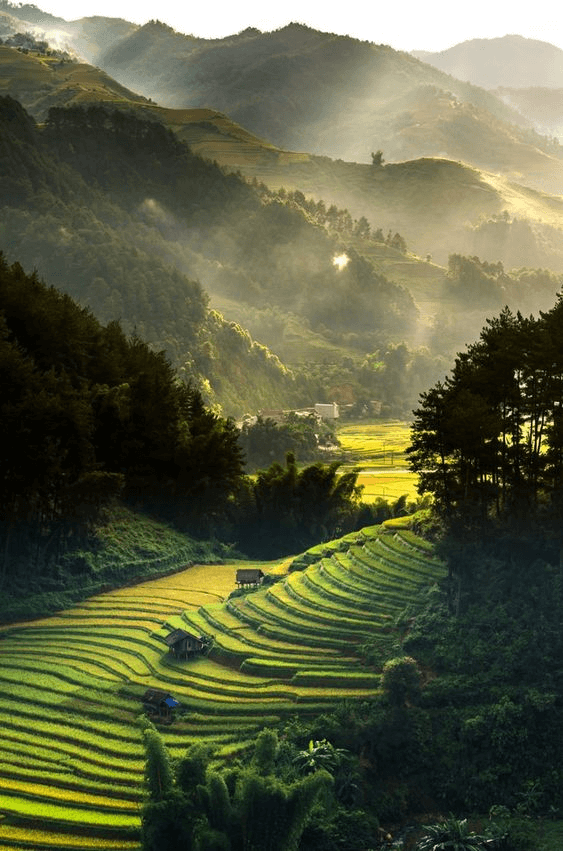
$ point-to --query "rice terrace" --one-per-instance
(72, 758)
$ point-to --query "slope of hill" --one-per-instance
(85, 37)
(215, 136)
(513, 61)
(333, 95)
(119, 212)
(439, 205)
(41, 82)
(541, 105)
(436, 203)
(109, 254)
(72, 755)
(290, 85)
(429, 201)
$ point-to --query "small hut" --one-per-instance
(249, 577)
(159, 703)
(182, 644)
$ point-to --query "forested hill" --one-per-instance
(89, 415)
(119, 212)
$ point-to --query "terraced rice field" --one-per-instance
(71, 758)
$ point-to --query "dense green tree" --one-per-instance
(255, 811)
(158, 771)
(288, 509)
(486, 435)
(401, 681)
(272, 814)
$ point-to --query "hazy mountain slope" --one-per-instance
(40, 82)
(94, 35)
(434, 203)
(29, 13)
(306, 90)
(542, 106)
(110, 256)
(429, 201)
(86, 36)
(513, 61)
(326, 94)
(123, 216)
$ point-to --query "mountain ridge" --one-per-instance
(512, 61)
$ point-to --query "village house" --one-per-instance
(159, 704)
(182, 644)
(328, 411)
(249, 577)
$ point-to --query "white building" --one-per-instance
(328, 411)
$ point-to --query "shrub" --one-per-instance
(401, 681)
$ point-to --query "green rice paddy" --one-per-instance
(71, 756)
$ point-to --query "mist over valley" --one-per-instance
(468, 179)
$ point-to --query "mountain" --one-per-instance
(428, 200)
(85, 37)
(119, 213)
(299, 88)
(512, 61)
(305, 90)
(29, 13)
(78, 206)
(264, 253)
(542, 106)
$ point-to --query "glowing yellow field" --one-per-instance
(383, 442)
(390, 485)
(378, 449)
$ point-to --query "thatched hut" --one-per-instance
(249, 577)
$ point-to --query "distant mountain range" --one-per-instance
(525, 73)
(511, 61)
(429, 200)
(304, 90)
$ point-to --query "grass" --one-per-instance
(381, 441)
(14, 836)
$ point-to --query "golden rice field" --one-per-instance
(381, 442)
(387, 485)
(71, 757)
(378, 449)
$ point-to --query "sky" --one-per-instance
(411, 25)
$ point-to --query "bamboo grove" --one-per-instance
(488, 440)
